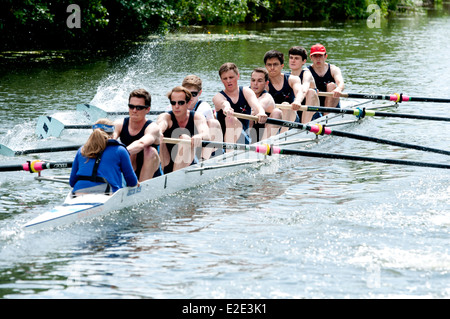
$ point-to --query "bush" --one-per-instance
(38, 23)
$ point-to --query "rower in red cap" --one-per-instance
(328, 77)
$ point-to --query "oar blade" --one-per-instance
(92, 112)
(48, 126)
(6, 151)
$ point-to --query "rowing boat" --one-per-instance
(82, 207)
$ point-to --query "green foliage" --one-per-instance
(104, 22)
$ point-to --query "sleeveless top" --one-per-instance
(174, 132)
(322, 81)
(286, 94)
(257, 127)
(301, 75)
(241, 106)
(126, 138)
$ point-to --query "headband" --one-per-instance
(106, 128)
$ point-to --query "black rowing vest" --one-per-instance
(175, 131)
(286, 94)
(127, 139)
(241, 106)
(322, 81)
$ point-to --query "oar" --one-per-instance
(276, 150)
(38, 165)
(49, 126)
(35, 166)
(396, 97)
(358, 112)
(323, 130)
(271, 150)
(6, 151)
(94, 113)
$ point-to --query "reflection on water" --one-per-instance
(303, 228)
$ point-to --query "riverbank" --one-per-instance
(100, 25)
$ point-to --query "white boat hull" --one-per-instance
(95, 205)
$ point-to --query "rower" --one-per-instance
(181, 123)
(234, 98)
(194, 84)
(297, 59)
(284, 88)
(141, 136)
(258, 82)
(100, 163)
(328, 77)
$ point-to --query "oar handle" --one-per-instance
(245, 116)
(328, 94)
(169, 140)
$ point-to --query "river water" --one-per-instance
(307, 228)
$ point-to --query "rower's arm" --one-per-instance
(163, 122)
(151, 136)
(221, 103)
(267, 102)
(296, 85)
(253, 101)
(202, 128)
(308, 81)
(118, 124)
(338, 78)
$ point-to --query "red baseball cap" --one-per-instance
(318, 49)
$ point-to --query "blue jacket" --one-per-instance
(114, 163)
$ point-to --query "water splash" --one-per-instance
(132, 72)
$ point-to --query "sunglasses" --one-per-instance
(138, 107)
(179, 102)
(194, 93)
